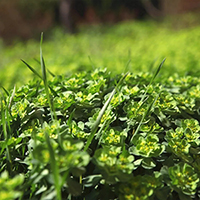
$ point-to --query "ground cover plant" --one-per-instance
(144, 42)
(97, 136)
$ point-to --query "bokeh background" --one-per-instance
(83, 34)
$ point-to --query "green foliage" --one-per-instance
(114, 164)
(183, 176)
(144, 43)
(95, 135)
(9, 186)
(98, 136)
(140, 187)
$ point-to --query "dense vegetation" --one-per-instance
(90, 137)
(101, 135)
(145, 43)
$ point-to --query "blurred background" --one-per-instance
(26, 19)
(81, 34)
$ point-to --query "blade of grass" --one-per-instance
(143, 117)
(101, 113)
(44, 78)
(12, 97)
(53, 162)
(127, 64)
(152, 79)
(98, 120)
(4, 118)
(43, 67)
(8, 109)
(7, 93)
(99, 133)
(92, 63)
(141, 102)
(33, 70)
(53, 75)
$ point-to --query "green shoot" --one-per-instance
(33, 70)
(101, 113)
(44, 77)
(142, 101)
(54, 165)
(4, 118)
(152, 79)
(143, 117)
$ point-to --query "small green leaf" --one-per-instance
(92, 180)
(148, 163)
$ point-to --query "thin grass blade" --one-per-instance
(44, 75)
(142, 101)
(152, 79)
(98, 120)
(33, 70)
(12, 97)
(53, 162)
(101, 113)
(3, 121)
(44, 78)
(158, 70)
(51, 73)
(4, 126)
(7, 93)
(146, 113)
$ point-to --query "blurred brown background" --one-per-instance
(25, 19)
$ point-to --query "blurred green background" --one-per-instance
(105, 34)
